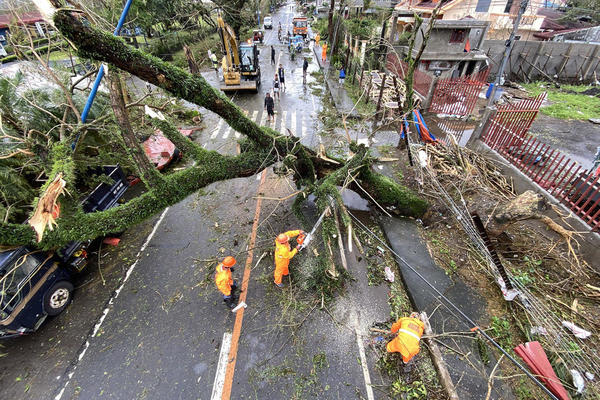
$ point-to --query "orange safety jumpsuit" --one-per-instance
(324, 52)
(224, 280)
(283, 254)
(406, 343)
(317, 39)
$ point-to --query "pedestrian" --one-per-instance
(283, 254)
(317, 39)
(324, 52)
(409, 329)
(342, 75)
(270, 107)
(213, 58)
(276, 87)
(281, 73)
(272, 55)
(304, 69)
(225, 282)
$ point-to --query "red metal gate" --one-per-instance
(421, 80)
(457, 96)
(563, 178)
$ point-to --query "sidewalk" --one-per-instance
(470, 375)
(343, 102)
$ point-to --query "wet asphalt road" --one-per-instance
(161, 336)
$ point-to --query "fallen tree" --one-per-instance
(263, 147)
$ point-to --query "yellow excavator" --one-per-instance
(241, 68)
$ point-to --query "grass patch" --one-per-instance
(365, 109)
(568, 101)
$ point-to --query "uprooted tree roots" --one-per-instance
(263, 148)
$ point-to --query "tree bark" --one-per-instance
(265, 146)
(145, 169)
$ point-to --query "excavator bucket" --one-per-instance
(243, 85)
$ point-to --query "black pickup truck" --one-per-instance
(35, 284)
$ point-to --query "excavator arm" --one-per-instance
(229, 43)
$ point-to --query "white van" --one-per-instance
(268, 22)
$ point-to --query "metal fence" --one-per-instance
(457, 96)
(422, 81)
(563, 178)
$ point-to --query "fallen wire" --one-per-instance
(465, 319)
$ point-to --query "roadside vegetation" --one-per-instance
(569, 101)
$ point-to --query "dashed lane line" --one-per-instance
(109, 304)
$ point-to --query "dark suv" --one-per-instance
(34, 283)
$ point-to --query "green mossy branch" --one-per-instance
(213, 167)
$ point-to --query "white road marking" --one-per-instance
(293, 127)
(304, 128)
(110, 303)
(227, 132)
(364, 365)
(283, 123)
(217, 129)
(217, 391)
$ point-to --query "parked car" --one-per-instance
(268, 22)
(35, 284)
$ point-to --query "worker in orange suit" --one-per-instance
(324, 52)
(409, 329)
(283, 254)
(225, 282)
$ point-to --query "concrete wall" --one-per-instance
(562, 61)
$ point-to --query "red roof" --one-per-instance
(26, 18)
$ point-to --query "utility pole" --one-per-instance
(489, 108)
(508, 50)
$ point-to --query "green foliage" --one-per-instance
(391, 193)
(321, 27)
(361, 27)
(500, 331)
(410, 391)
(568, 101)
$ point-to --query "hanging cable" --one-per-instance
(469, 322)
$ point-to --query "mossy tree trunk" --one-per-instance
(262, 148)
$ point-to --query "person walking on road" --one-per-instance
(304, 69)
(225, 282)
(270, 107)
(213, 58)
(409, 329)
(276, 88)
(324, 52)
(281, 73)
(272, 55)
(283, 255)
(317, 39)
(342, 75)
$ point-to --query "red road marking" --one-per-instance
(237, 327)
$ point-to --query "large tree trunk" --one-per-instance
(263, 149)
(145, 169)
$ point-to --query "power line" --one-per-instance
(466, 320)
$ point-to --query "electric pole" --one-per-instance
(508, 50)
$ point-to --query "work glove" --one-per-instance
(299, 247)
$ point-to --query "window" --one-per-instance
(458, 36)
(483, 5)
(509, 4)
(13, 283)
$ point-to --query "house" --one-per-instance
(452, 49)
(499, 14)
(32, 21)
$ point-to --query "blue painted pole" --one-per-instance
(92, 96)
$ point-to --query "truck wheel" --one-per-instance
(58, 297)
